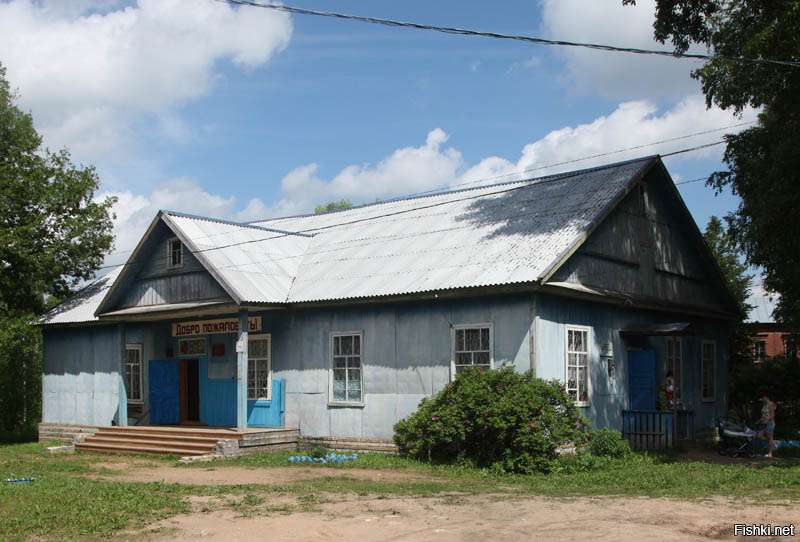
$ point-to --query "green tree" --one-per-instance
(763, 162)
(333, 206)
(53, 235)
(728, 256)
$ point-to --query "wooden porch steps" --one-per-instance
(183, 441)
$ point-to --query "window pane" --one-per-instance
(347, 344)
(480, 358)
(354, 395)
(339, 376)
(339, 394)
(464, 358)
(570, 340)
(257, 348)
(339, 362)
(337, 349)
(357, 345)
(354, 379)
(354, 362)
(473, 339)
(460, 339)
(485, 338)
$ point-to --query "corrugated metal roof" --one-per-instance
(762, 309)
(495, 235)
(80, 307)
(258, 264)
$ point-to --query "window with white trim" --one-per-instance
(346, 372)
(675, 365)
(174, 253)
(759, 351)
(472, 347)
(709, 370)
(259, 367)
(133, 372)
(577, 364)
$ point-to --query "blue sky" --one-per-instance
(245, 113)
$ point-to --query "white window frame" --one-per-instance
(140, 349)
(758, 357)
(676, 360)
(567, 352)
(453, 351)
(713, 361)
(195, 354)
(346, 402)
(259, 337)
(170, 265)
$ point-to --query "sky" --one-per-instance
(244, 113)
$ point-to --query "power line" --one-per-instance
(551, 178)
(566, 162)
(529, 39)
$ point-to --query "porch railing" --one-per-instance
(656, 429)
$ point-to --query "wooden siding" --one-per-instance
(175, 288)
(651, 253)
(155, 262)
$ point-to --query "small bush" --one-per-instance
(501, 420)
(609, 443)
(318, 452)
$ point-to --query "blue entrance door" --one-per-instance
(642, 379)
(164, 392)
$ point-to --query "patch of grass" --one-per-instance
(281, 459)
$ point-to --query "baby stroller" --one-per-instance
(735, 439)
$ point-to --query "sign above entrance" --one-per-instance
(208, 327)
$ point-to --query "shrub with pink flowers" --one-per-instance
(499, 419)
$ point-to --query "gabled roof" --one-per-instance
(503, 234)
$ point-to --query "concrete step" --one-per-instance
(200, 447)
(87, 445)
(175, 431)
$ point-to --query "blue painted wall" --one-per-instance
(406, 356)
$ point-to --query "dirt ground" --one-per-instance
(446, 518)
(481, 519)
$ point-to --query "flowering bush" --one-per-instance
(499, 419)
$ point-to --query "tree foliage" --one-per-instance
(52, 235)
(763, 162)
(52, 232)
(726, 252)
(333, 206)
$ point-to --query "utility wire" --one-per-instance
(529, 39)
(516, 186)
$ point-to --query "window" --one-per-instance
(790, 346)
(346, 370)
(760, 351)
(472, 347)
(675, 365)
(259, 367)
(578, 364)
(174, 253)
(192, 347)
(133, 372)
(709, 369)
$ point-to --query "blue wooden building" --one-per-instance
(339, 324)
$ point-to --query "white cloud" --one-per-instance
(110, 66)
(615, 75)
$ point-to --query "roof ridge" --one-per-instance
(532, 180)
(233, 223)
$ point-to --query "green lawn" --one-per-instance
(65, 502)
